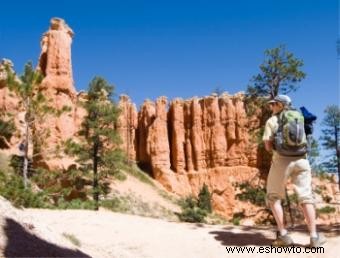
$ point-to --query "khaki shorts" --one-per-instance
(300, 172)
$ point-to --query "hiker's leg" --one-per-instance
(276, 190)
(277, 211)
(309, 213)
(302, 180)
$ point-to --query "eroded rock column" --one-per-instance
(127, 125)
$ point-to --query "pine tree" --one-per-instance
(280, 73)
(98, 152)
(330, 138)
(35, 106)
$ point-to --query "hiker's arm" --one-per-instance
(268, 145)
(268, 136)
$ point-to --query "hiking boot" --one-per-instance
(317, 241)
(285, 240)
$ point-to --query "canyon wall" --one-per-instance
(187, 143)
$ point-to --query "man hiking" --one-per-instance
(285, 137)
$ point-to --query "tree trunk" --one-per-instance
(337, 153)
(25, 167)
(95, 176)
(338, 158)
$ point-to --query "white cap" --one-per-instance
(284, 99)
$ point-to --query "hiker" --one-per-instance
(284, 136)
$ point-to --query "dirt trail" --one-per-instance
(107, 234)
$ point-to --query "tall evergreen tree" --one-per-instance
(98, 152)
(330, 138)
(35, 106)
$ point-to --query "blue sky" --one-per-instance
(183, 48)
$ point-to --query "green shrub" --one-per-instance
(195, 210)
(76, 204)
(237, 218)
(193, 215)
(190, 211)
(12, 188)
(204, 199)
(256, 195)
(326, 209)
(115, 204)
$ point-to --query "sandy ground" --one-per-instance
(108, 234)
(104, 234)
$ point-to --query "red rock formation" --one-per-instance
(127, 125)
(197, 141)
(197, 135)
(177, 136)
(9, 104)
(158, 140)
(55, 58)
(58, 86)
(146, 117)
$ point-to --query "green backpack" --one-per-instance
(290, 138)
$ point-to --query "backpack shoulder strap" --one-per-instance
(280, 120)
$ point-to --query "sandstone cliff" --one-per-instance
(192, 142)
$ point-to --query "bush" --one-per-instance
(204, 199)
(195, 210)
(190, 211)
(193, 215)
(256, 196)
(237, 218)
(115, 204)
(75, 204)
(326, 209)
(12, 188)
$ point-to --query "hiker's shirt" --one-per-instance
(271, 127)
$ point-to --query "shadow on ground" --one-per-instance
(332, 230)
(22, 243)
(241, 239)
(227, 237)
